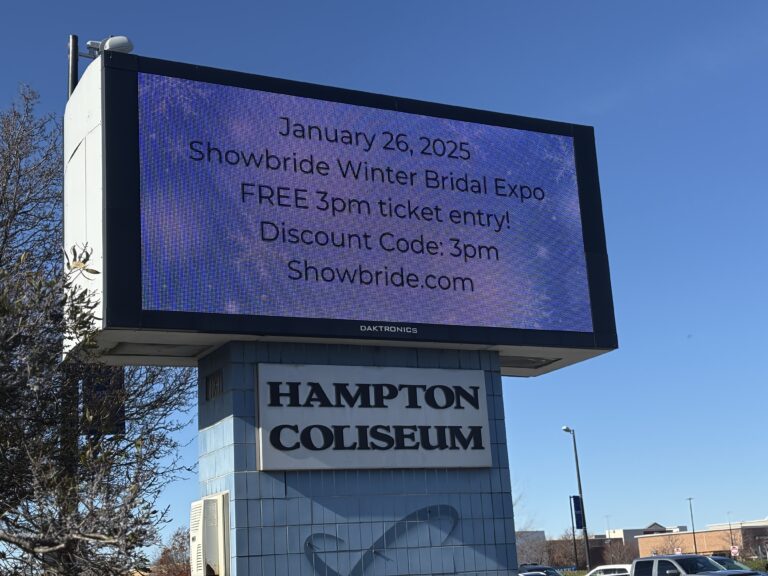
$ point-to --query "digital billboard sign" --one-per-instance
(247, 205)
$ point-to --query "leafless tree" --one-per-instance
(670, 543)
(30, 184)
(531, 547)
(531, 544)
(173, 559)
(80, 470)
(754, 545)
(561, 549)
(617, 552)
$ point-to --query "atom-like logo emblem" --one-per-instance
(442, 518)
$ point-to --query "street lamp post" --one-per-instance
(572, 432)
(693, 526)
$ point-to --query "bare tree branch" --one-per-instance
(85, 450)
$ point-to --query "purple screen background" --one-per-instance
(201, 247)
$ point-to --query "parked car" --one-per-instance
(682, 565)
(731, 564)
(610, 570)
(538, 569)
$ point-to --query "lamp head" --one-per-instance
(567, 429)
(112, 43)
(118, 44)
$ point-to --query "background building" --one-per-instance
(627, 536)
(749, 538)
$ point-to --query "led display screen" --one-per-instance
(242, 206)
(264, 204)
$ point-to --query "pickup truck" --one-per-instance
(682, 565)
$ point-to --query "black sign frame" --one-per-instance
(123, 309)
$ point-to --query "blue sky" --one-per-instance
(677, 91)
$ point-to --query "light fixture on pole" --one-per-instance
(572, 432)
(693, 526)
